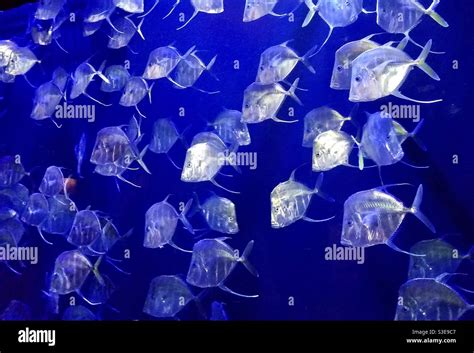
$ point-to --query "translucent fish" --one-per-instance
(11, 171)
(97, 289)
(204, 159)
(47, 98)
(218, 312)
(131, 6)
(213, 261)
(7, 48)
(162, 61)
(16, 311)
(41, 32)
(126, 31)
(80, 151)
(60, 78)
(189, 69)
(71, 269)
(22, 60)
(219, 214)
(97, 11)
(85, 229)
(277, 62)
(36, 211)
(331, 149)
(15, 197)
(373, 216)
(115, 152)
(134, 91)
(53, 182)
(256, 9)
(78, 313)
(12, 232)
(402, 16)
(345, 55)
(426, 299)
(205, 6)
(164, 136)
(82, 77)
(108, 237)
(290, 201)
(382, 71)
(118, 76)
(167, 296)
(49, 9)
(438, 257)
(262, 102)
(231, 129)
(161, 221)
(62, 212)
(320, 120)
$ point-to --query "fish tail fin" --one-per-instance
(197, 205)
(421, 62)
(139, 28)
(434, 15)
(414, 135)
(182, 136)
(403, 43)
(317, 189)
(292, 91)
(245, 261)
(312, 11)
(360, 154)
(96, 272)
(309, 55)
(211, 63)
(149, 91)
(415, 209)
(189, 52)
(188, 21)
(184, 218)
(140, 159)
(99, 71)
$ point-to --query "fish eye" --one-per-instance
(340, 68)
(247, 105)
(405, 309)
(358, 79)
(318, 154)
(350, 223)
(261, 68)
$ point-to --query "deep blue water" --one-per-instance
(291, 260)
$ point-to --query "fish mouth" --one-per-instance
(355, 98)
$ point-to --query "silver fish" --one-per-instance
(118, 77)
(256, 9)
(82, 77)
(263, 102)
(134, 91)
(164, 138)
(372, 217)
(231, 129)
(22, 60)
(331, 149)
(189, 70)
(219, 213)
(85, 229)
(345, 55)
(382, 71)
(204, 159)
(290, 201)
(70, 271)
(53, 182)
(205, 6)
(49, 9)
(320, 120)
(437, 257)
(426, 299)
(78, 313)
(161, 220)
(277, 62)
(162, 61)
(47, 97)
(126, 31)
(11, 171)
(401, 16)
(36, 211)
(99, 11)
(213, 261)
(167, 296)
(91, 27)
(14, 196)
(62, 212)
